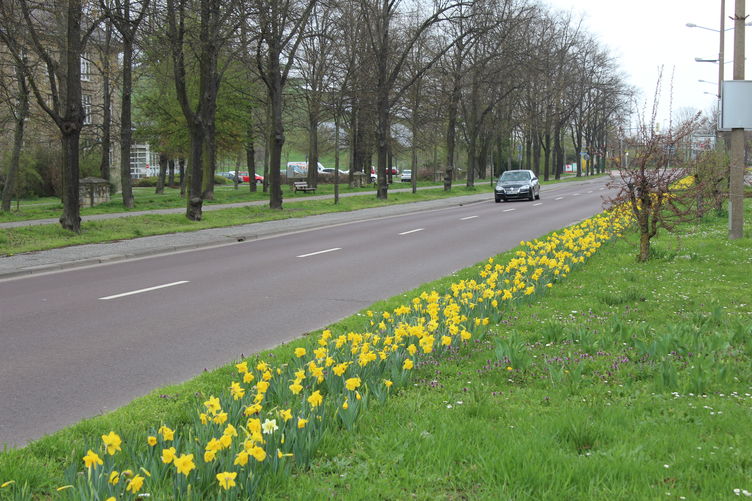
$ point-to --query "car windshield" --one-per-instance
(515, 176)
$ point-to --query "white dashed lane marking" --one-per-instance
(139, 291)
(320, 252)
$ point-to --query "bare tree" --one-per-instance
(55, 38)
(18, 104)
(389, 60)
(126, 16)
(211, 22)
(656, 186)
(280, 25)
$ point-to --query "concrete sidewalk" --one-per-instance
(91, 254)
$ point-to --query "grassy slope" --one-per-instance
(596, 427)
(533, 433)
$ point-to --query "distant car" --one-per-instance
(374, 175)
(517, 184)
(244, 177)
(406, 176)
(229, 175)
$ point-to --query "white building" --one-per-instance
(144, 161)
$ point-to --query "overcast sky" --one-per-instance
(645, 34)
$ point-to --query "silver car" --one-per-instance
(513, 184)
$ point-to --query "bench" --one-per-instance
(302, 186)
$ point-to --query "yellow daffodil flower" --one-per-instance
(184, 464)
(92, 459)
(112, 442)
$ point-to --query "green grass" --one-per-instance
(50, 236)
(633, 387)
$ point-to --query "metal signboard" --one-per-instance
(736, 105)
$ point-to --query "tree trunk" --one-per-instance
(171, 173)
(277, 137)
(250, 163)
(451, 137)
(22, 112)
(181, 170)
(336, 156)
(313, 146)
(250, 156)
(558, 154)
(547, 156)
(162, 173)
(104, 166)
(70, 219)
(126, 123)
(73, 119)
(195, 202)
(644, 247)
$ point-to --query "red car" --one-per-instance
(244, 178)
(394, 172)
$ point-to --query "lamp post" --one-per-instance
(721, 43)
(736, 174)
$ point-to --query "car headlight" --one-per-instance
(500, 188)
(524, 188)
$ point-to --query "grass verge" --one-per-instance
(50, 236)
(636, 387)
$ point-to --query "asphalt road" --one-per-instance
(85, 341)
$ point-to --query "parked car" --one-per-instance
(229, 175)
(517, 184)
(374, 175)
(406, 176)
(245, 177)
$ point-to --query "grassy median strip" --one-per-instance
(50, 236)
(627, 380)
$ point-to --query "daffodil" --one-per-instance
(269, 426)
(352, 383)
(226, 479)
(151, 440)
(302, 423)
(236, 390)
(168, 455)
(315, 399)
(241, 458)
(184, 464)
(258, 453)
(112, 442)
(92, 459)
(295, 387)
(114, 477)
(167, 433)
(213, 405)
(135, 484)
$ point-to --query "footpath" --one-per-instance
(92, 254)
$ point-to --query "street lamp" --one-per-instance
(722, 33)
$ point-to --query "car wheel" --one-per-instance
(537, 197)
(497, 199)
(531, 197)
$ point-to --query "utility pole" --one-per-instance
(736, 175)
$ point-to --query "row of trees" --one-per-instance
(492, 78)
